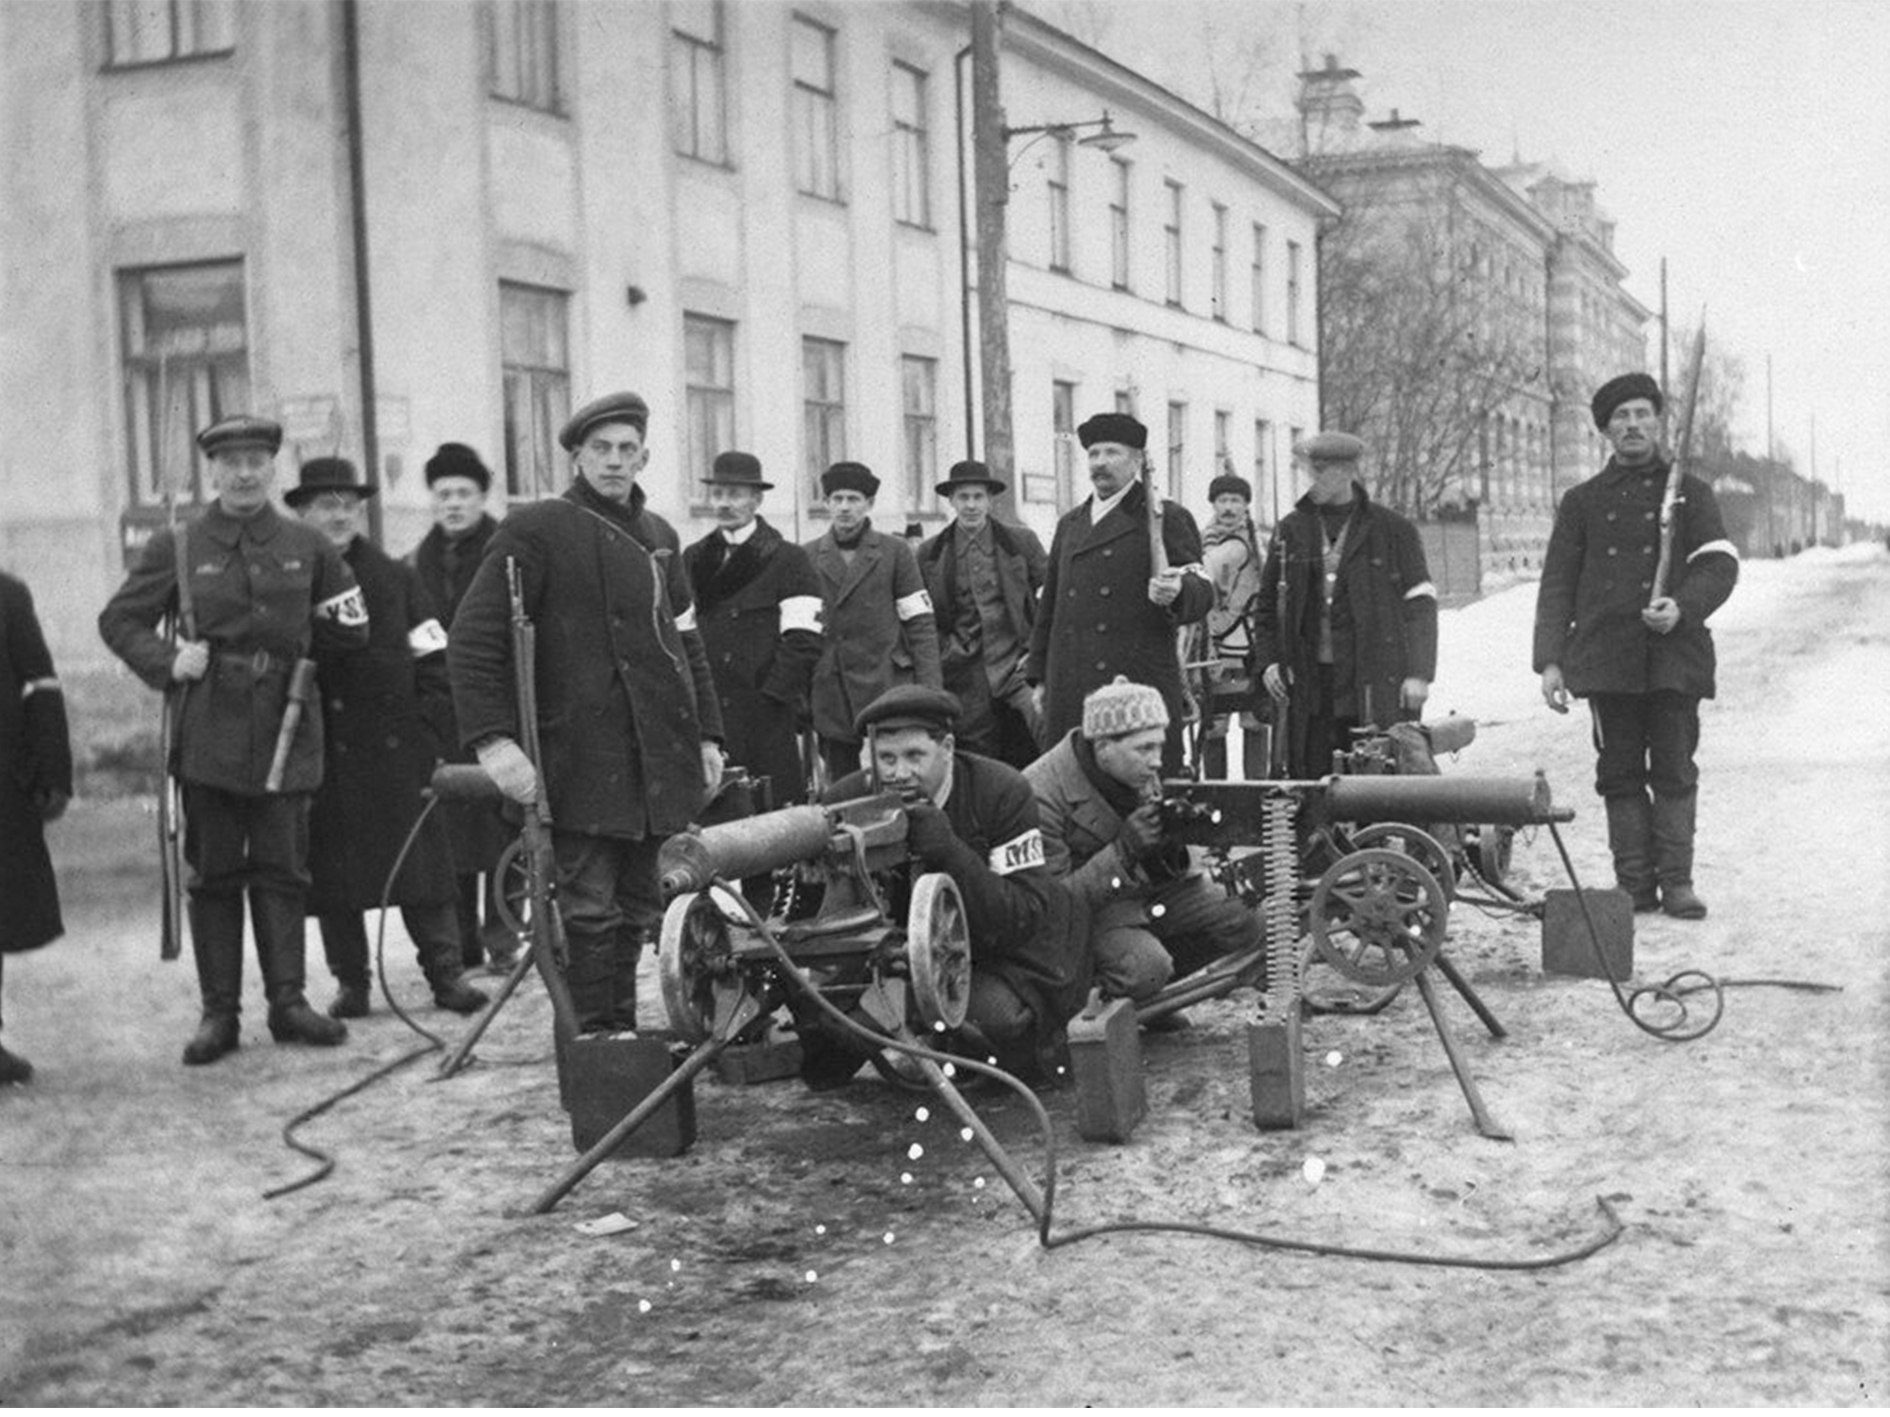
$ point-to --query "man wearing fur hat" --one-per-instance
(1151, 915)
(1642, 662)
(1106, 610)
(880, 629)
(983, 576)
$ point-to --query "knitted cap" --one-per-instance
(1120, 707)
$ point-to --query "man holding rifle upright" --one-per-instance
(258, 592)
(627, 714)
(1639, 652)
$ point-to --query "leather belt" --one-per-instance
(257, 663)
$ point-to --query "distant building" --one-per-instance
(747, 212)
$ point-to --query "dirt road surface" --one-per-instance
(800, 1253)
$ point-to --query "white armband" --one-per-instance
(914, 605)
(48, 685)
(428, 637)
(1020, 853)
(686, 622)
(1422, 588)
(801, 612)
(348, 608)
(1710, 547)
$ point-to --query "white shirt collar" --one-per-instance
(736, 538)
(1099, 508)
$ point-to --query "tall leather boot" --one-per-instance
(1631, 839)
(1673, 855)
(590, 976)
(344, 942)
(281, 941)
(623, 980)
(216, 938)
(436, 939)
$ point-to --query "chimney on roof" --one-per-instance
(1397, 123)
(1329, 107)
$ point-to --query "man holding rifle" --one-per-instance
(1639, 652)
(263, 591)
(626, 709)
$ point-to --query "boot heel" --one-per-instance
(298, 1023)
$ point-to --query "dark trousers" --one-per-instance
(1327, 732)
(1645, 741)
(434, 930)
(1004, 727)
(609, 896)
(236, 844)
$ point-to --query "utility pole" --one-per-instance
(1663, 324)
(991, 169)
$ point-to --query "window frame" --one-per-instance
(548, 397)
(825, 444)
(692, 55)
(815, 116)
(113, 10)
(1119, 249)
(707, 403)
(1217, 266)
(912, 149)
(1064, 449)
(918, 430)
(1177, 448)
(1057, 202)
(1294, 261)
(1257, 275)
(536, 22)
(1172, 238)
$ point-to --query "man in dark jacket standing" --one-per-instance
(386, 710)
(1643, 663)
(1106, 610)
(264, 592)
(758, 607)
(35, 786)
(446, 558)
(1345, 622)
(628, 721)
(983, 577)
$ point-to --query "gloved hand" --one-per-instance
(191, 660)
(1141, 831)
(929, 832)
(506, 764)
(1274, 678)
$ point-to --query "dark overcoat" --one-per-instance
(625, 700)
(477, 831)
(1021, 566)
(386, 712)
(1025, 927)
(1384, 612)
(759, 616)
(266, 591)
(35, 762)
(1096, 620)
(879, 628)
(1599, 572)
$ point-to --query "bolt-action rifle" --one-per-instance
(1670, 500)
(183, 623)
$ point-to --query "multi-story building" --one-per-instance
(392, 224)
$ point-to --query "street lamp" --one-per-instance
(1107, 138)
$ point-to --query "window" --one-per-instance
(1218, 270)
(918, 397)
(1119, 227)
(534, 358)
(157, 31)
(1063, 431)
(823, 406)
(1059, 193)
(816, 133)
(1259, 279)
(1177, 447)
(1171, 231)
(1262, 440)
(522, 53)
(186, 364)
(708, 392)
(1223, 459)
(912, 184)
(699, 80)
(1292, 292)
(1125, 401)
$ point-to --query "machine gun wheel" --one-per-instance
(1378, 916)
(938, 950)
(1323, 990)
(511, 874)
(1420, 846)
(693, 956)
(1493, 846)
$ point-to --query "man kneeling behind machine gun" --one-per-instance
(975, 819)
(1152, 917)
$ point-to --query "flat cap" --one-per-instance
(968, 473)
(849, 477)
(240, 430)
(1330, 447)
(1228, 483)
(321, 475)
(1123, 428)
(910, 706)
(458, 460)
(1619, 390)
(611, 408)
(735, 469)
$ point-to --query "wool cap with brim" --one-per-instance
(1227, 484)
(849, 477)
(1330, 447)
(735, 469)
(1123, 428)
(910, 706)
(1619, 390)
(1121, 707)
(240, 430)
(321, 475)
(611, 408)
(458, 460)
(968, 473)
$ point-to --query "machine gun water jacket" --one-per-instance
(1599, 571)
(35, 764)
(759, 615)
(625, 698)
(880, 628)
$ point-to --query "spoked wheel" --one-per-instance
(1378, 917)
(938, 950)
(694, 955)
(1494, 845)
(1324, 990)
(512, 874)
(1420, 846)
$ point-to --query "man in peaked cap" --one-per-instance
(264, 592)
(1106, 609)
(984, 576)
(879, 625)
(974, 819)
(1345, 623)
(632, 747)
(1643, 661)
(758, 603)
